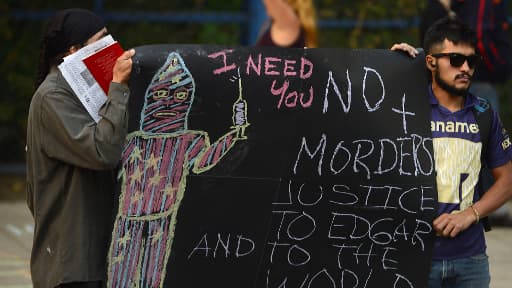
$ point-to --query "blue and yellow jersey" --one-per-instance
(457, 152)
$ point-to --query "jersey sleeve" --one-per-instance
(499, 151)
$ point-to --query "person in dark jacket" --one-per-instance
(70, 160)
(488, 18)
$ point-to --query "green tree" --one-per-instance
(21, 41)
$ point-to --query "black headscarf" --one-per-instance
(66, 28)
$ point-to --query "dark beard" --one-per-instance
(448, 88)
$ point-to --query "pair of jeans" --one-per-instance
(470, 272)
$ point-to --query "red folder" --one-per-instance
(101, 64)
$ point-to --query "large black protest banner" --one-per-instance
(268, 167)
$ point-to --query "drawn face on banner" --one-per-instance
(168, 98)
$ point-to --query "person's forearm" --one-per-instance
(499, 193)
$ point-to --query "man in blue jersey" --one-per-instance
(459, 255)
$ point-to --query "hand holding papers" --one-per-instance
(101, 63)
(89, 72)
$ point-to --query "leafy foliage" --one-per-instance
(21, 41)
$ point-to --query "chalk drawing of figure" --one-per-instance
(155, 164)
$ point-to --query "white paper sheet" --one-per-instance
(81, 80)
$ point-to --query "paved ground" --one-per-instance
(16, 238)
(499, 242)
(16, 230)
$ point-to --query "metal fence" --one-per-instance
(251, 17)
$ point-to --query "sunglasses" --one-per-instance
(457, 59)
